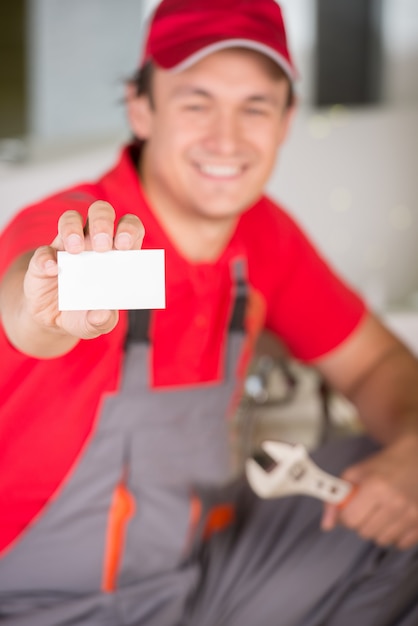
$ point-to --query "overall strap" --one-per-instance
(241, 294)
(138, 326)
(139, 320)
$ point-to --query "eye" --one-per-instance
(256, 112)
(195, 107)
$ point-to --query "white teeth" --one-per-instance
(220, 171)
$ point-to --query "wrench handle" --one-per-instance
(341, 505)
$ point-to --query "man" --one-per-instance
(117, 499)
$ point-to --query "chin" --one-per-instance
(218, 210)
(220, 213)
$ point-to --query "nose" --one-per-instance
(224, 134)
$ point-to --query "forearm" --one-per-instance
(374, 370)
(21, 326)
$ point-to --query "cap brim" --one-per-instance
(195, 57)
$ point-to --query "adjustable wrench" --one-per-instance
(284, 469)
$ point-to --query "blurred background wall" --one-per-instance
(348, 172)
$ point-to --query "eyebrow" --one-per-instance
(190, 90)
(262, 99)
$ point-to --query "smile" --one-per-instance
(220, 171)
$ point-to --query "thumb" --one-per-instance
(329, 517)
(355, 474)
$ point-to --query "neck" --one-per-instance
(199, 239)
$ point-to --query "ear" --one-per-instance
(139, 112)
(288, 116)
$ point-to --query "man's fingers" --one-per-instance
(374, 508)
(354, 514)
(100, 322)
(380, 527)
(357, 473)
(129, 233)
(329, 517)
(44, 262)
(101, 225)
(397, 529)
(101, 229)
(87, 324)
(73, 237)
(98, 231)
(70, 233)
(409, 539)
(391, 533)
(379, 513)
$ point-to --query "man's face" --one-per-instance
(212, 134)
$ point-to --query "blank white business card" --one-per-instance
(128, 279)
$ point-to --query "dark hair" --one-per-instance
(142, 81)
(143, 78)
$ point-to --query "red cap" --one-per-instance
(181, 32)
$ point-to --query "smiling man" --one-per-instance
(119, 501)
(212, 136)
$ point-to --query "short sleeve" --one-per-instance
(312, 308)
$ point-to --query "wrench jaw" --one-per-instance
(290, 471)
(256, 477)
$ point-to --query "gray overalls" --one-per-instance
(122, 544)
(155, 459)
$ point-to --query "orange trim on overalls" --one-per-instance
(218, 518)
(195, 514)
(121, 511)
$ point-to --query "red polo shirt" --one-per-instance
(48, 408)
